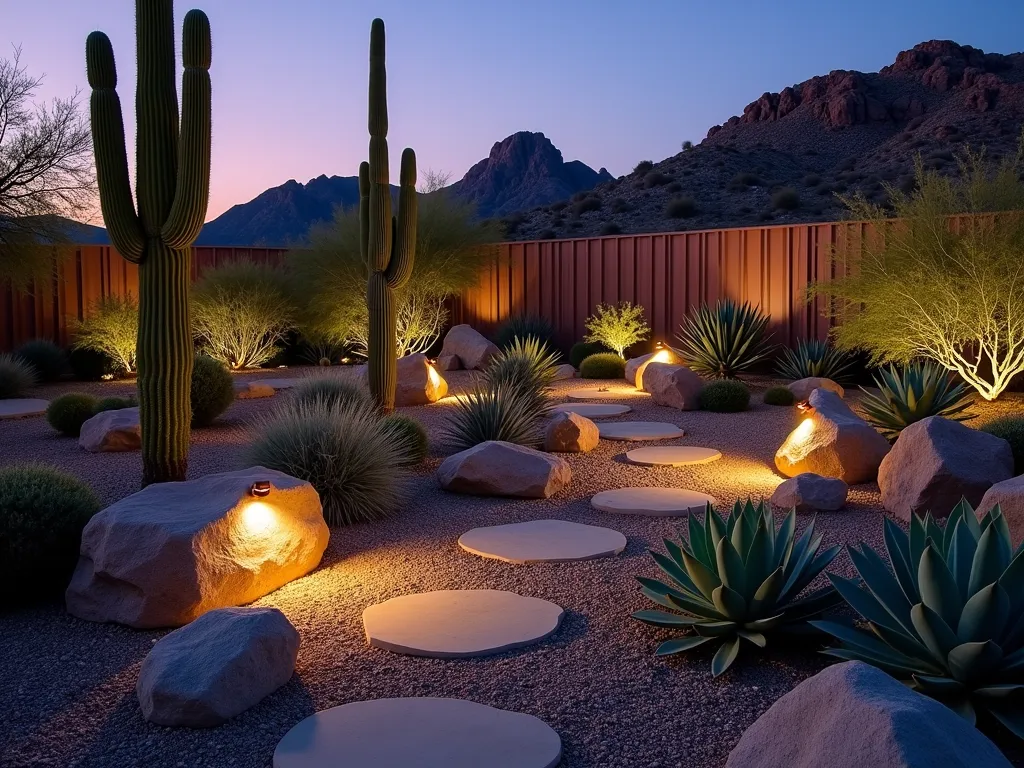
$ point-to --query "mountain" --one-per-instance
(788, 155)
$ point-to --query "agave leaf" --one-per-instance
(1014, 637)
(964, 510)
(882, 583)
(784, 538)
(934, 632)
(939, 590)
(897, 546)
(1003, 530)
(755, 637)
(985, 615)
(974, 662)
(813, 604)
(675, 551)
(730, 603)
(934, 532)
(799, 552)
(1011, 717)
(730, 566)
(699, 543)
(939, 686)
(861, 646)
(698, 607)
(963, 707)
(962, 548)
(680, 644)
(661, 595)
(664, 619)
(909, 646)
(673, 571)
(767, 594)
(999, 691)
(886, 664)
(918, 538)
(1012, 580)
(864, 603)
(767, 624)
(990, 561)
(758, 562)
(725, 656)
(800, 580)
(705, 579)
(717, 529)
(716, 628)
(1013, 663)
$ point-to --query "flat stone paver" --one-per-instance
(672, 455)
(592, 410)
(654, 502)
(251, 390)
(543, 541)
(457, 623)
(419, 732)
(639, 430)
(20, 407)
(611, 393)
(276, 383)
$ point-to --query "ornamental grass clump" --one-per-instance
(523, 326)
(724, 340)
(814, 358)
(331, 390)
(526, 365)
(47, 358)
(16, 376)
(617, 326)
(410, 435)
(912, 393)
(735, 580)
(505, 412)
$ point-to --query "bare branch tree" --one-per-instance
(46, 172)
(432, 181)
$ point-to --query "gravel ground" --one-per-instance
(67, 686)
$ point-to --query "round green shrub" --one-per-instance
(603, 365)
(1011, 429)
(779, 396)
(16, 376)
(524, 326)
(725, 396)
(116, 404)
(411, 435)
(46, 357)
(69, 412)
(213, 390)
(42, 514)
(92, 365)
(584, 349)
(332, 391)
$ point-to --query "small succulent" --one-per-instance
(946, 613)
(723, 340)
(504, 412)
(910, 394)
(737, 579)
(814, 358)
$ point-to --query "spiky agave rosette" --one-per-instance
(912, 393)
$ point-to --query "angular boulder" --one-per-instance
(112, 431)
(446, 361)
(832, 441)
(935, 461)
(564, 371)
(1009, 495)
(472, 349)
(497, 468)
(802, 388)
(673, 385)
(173, 551)
(852, 715)
(811, 493)
(636, 366)
(220, 665)
(419, 383)
(568, 432)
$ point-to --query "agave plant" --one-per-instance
(946, 614)
(723, 340)
(814, 358)
(503, 412)
(527, 365)
(910, 394)
(523, 326)
(737, 579)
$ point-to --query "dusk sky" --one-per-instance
(609, 82)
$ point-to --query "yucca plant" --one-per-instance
(723, 340)
(503, 412)
(910, 394)
(946, 614)
(814, 358)
(525, 364)
(737, 579)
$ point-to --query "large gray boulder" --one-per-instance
(112, 431)
(636, 366)
(1009, 495)
(936, 461)
(852, 715)
(497, 468)
(568, 432)
(470, 346)
(563, 372)
(217, 667)
(832, 441)
(802, 388)
(673, 385)
(811, 493)
(173, 551)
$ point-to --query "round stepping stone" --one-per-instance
(542, 541)
(611, 393)
(423, 732)
(672, 455)
(654, 502)
(592, 410)
(639, 430)
(275, 383)
(457, 623)
(20, 407)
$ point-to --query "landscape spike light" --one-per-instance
(260, 488)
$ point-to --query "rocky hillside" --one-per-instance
(789, 154)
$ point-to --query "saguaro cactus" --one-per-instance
(388, 243)
(172, 188)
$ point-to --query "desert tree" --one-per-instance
(46, 172)
(617, 326)
(942, 275)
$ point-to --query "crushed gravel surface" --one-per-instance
(67, 686)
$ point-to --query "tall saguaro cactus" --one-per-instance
(388, 243)
(172, 189)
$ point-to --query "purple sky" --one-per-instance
(610, 82)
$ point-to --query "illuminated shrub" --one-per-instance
(213, 390)
(617, 326)
(111, 328)
(69, 412)
(604, 365)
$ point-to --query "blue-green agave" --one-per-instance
(814, 358)
(737, 579)
(723, 340)
(946, 614)
(912, 393)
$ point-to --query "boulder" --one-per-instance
(173, 551)
(252, 390)
(852, 715)
(936, 461)
(116, 430)
(497, 468)
(564, 371)
(419, 383)
(802, 388)
(1009, 495)
(446, 361)
(472, 349)
(810, 493)
(217, 667)
(635, 366)
(832, 441)
(673, 385)
(567, 432)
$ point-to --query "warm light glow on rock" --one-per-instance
(257, 517)
(793, 448)
(435, 377)
(662, 356)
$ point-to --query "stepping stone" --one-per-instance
(543, 541)
(639, 430)
(672, 455)
(458, 623)
(252, 390)
(20, 407)
(276, 383)
(592, 410)
(611, 393)
(423, 732)
(654, 502)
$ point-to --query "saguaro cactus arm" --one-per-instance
(379, 222)
(364, 212)
(109, 150)
(404, 249)
(192, 193)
